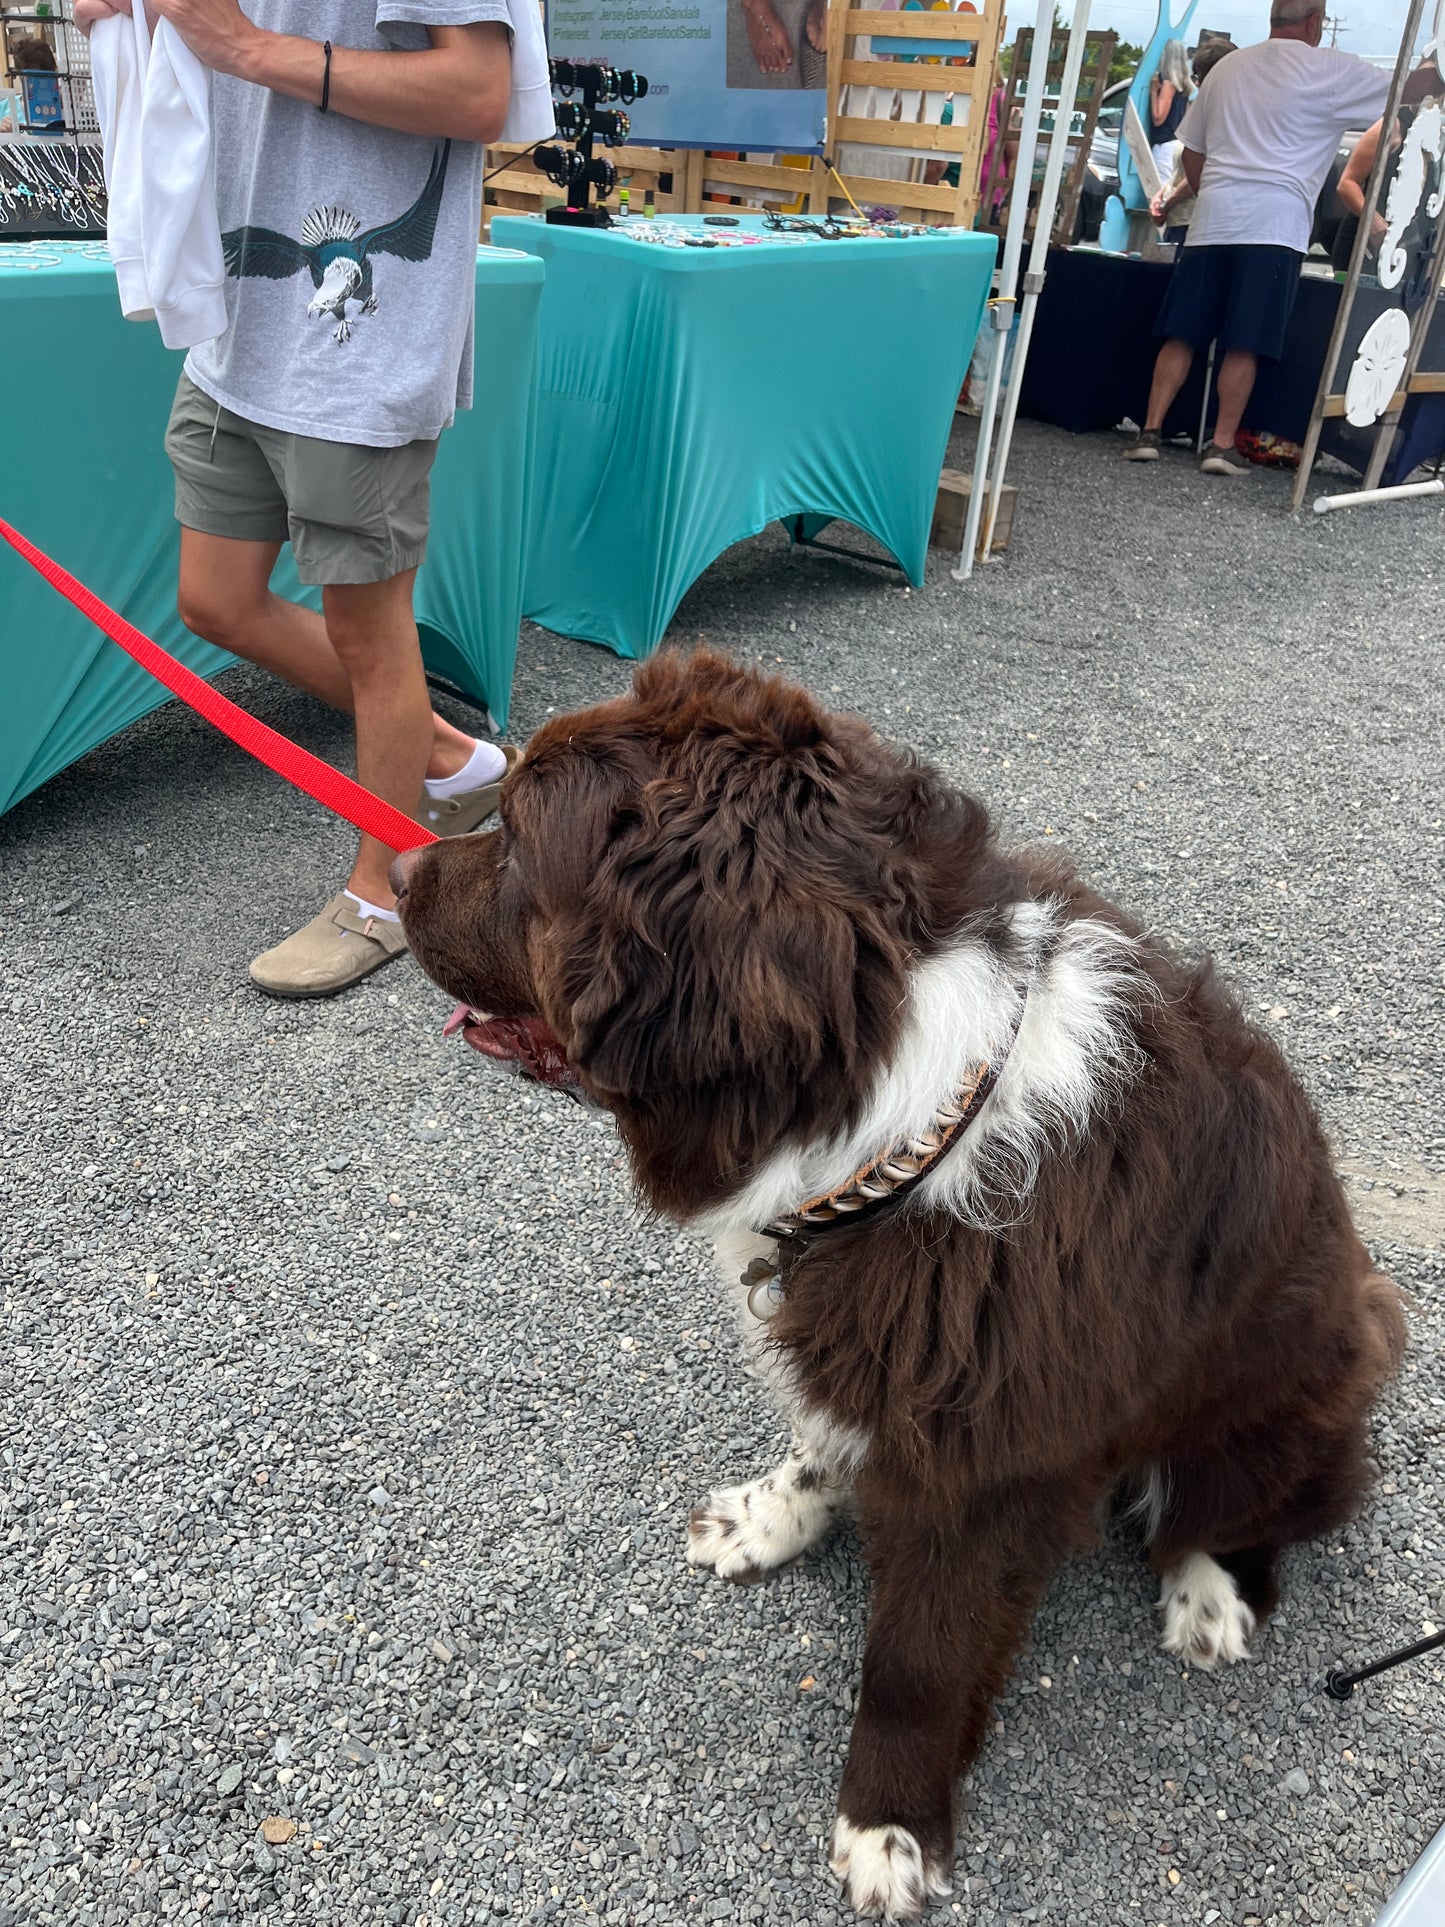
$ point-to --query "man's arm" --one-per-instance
(457, 88)
(1192, 161)
(1350, 189)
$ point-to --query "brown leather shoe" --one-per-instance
(460, 815)
(331, 953)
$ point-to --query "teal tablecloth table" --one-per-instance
(692, 395)
(87, 479)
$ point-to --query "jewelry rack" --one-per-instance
(54, 25)
(581, 122)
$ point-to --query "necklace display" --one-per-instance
(776, 231)
(45, 187)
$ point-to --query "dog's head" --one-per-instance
(699, 909)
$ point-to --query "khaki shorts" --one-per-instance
(351, 514)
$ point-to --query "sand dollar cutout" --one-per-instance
(1378, 367)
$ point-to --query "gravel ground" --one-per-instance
(351, 1413)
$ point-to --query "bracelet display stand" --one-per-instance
(581, 122)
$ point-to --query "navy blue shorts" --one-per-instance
(1237, 297)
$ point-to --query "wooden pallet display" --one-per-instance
(1093, 79)
(894, 104)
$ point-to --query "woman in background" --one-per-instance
(1174, 203)
(1169, 93)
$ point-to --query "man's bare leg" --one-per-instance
(1171, 371)
(1236, 383)
(225, 596)
(371, 627)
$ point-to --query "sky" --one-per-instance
(1366, 26)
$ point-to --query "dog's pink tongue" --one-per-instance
(524, 1044)
(455, 1022)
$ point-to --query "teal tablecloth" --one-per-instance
(86, 478)
(690, 396)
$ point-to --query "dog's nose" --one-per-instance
(400, 870)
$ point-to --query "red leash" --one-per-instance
(299, 767)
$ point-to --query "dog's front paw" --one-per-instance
(747, 1530)
(1205, 1620)
(884, 1870)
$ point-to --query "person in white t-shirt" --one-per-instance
(348, 142)
(1258, 141)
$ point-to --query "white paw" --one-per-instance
(883, 1871)
(747, 1530)
(1205, 1620)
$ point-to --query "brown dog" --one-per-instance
(1017, 1209)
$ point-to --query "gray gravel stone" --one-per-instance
(244, 1296)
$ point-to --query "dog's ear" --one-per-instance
(740, 951)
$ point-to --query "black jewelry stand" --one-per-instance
(574, 168)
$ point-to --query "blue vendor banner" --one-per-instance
(742, 74)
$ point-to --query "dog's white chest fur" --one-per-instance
(1074, 1049)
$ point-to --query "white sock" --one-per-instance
(485, 764)
(365, 909)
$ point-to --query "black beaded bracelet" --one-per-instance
(326, 77)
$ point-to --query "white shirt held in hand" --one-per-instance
(154, 105)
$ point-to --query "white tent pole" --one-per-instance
(1038, 257)
(1362, 496)
(1002, 310)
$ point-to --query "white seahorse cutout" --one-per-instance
(1426, 136)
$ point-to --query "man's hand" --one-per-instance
(216, 31)
(87, 12)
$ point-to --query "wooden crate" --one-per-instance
(901, 101)
(950, 512)
(1088, 98)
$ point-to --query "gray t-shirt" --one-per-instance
(351, 250)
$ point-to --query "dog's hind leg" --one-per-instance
(745, 1531)
(1225, 1517)
(1206, 1620)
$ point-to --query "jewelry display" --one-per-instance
(60, 184)
(773, 231)
(584, 122)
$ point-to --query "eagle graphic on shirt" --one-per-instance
(337, 252)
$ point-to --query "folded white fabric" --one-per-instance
(154, 106)
(530, 115)
(117, 74)
(185, 268)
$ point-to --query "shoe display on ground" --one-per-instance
(460, 815)
(1144, 447)
(335, 950)
(1222, 461)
